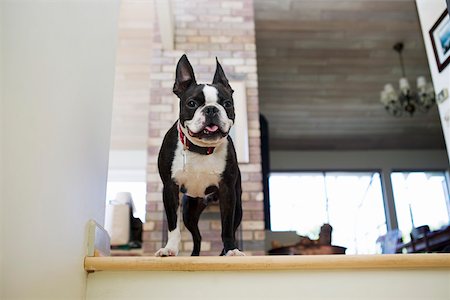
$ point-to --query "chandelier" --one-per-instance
(406, 100)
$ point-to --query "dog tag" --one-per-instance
(184, 160)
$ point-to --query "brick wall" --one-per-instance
(131, 89)
(205, 29)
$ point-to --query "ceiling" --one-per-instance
(322, 65)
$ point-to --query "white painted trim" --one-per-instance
(166, 23)
(127, 166)
(261, 285)
(98, 242)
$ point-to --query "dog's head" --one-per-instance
(206, 110)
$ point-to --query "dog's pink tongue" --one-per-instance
(212, 128)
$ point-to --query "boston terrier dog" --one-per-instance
(197, 161)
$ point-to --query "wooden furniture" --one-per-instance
(313, 250)
(423, 240)
(418, 233)
(306, 246)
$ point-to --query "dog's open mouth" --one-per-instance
(211, 130)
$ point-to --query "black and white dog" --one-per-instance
(198, 160)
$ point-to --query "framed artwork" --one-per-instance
(239, 132)
(440, 39)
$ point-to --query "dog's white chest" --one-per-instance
(196, 172)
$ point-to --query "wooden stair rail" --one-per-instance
(269, 263)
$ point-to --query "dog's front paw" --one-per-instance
(166, 252)
(235, 252)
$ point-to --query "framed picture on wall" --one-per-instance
(239, 132)
(440, 39)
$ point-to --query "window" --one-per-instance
(351, 202)
(421, 198)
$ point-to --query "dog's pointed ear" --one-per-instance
(220, 78)
(184, 76)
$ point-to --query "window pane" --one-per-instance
(350, 201)
(356, 210)
(297, 203)
(421, 198)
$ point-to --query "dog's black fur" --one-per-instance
(228, 190)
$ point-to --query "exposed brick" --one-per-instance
(259, 196)
(186, 236)
(252, 225)
(259, 235)
(150, 247)
(208, 61)
(204, 30)
(209, 18)
(153, 235)
(211, 235)
(232, 19)
(186, 32)
(148, 226)
(188, 246)
(151, 206)
(257, 215)
(252, 186)
(161, 76)
(216, 225)
(220, 39)
(245, 69)
(233, 61)
(198, 39)
(243, 39)
(233, 4)
(252, 205)
(250, 47)
(206, 246)
(232, 47)
(247, 235)
(155, 216)
(245, 196)
(204, 225)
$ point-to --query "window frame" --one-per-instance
(386, 186)
(336, 170)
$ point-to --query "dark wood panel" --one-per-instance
(322, 65)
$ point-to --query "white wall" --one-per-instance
(127, 165)
(429, 12)
(258, 285)
(1, 147)
(57, 78)
(358, 160)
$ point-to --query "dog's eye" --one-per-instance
(227, 104)
(192, 104)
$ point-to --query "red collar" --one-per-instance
(191, 146)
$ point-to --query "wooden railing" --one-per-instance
(262, 263)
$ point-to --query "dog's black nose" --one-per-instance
(210, 110)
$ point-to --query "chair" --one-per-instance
(419, 233)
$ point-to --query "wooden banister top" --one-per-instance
(263, 263)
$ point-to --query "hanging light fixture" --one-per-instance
(406, 100)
